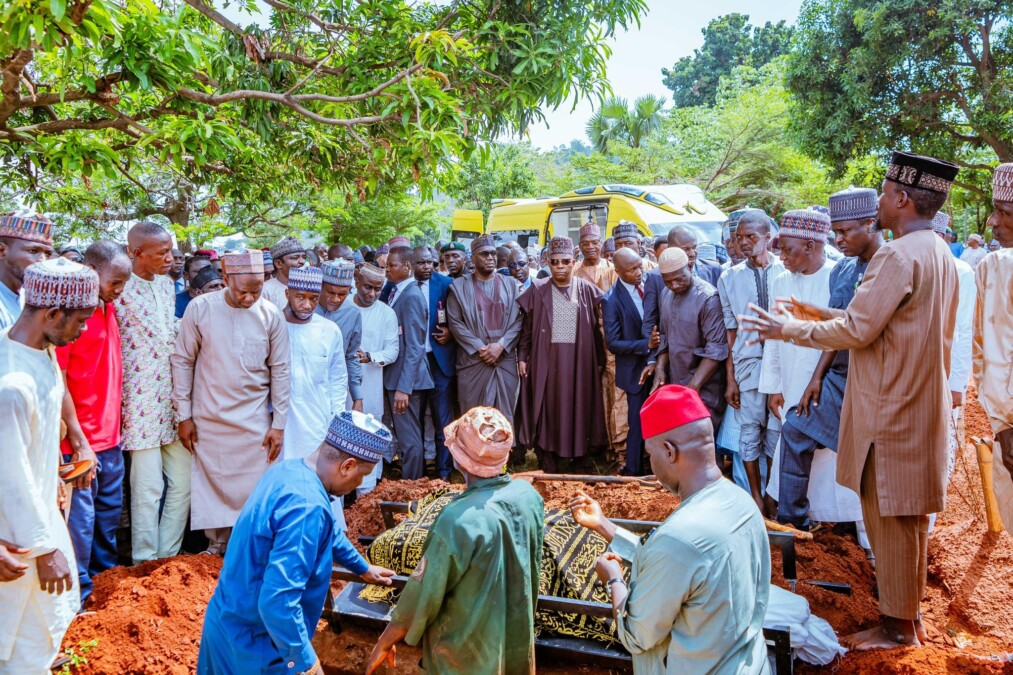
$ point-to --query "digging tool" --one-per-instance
(778, 527)
(646, 481)
(992, 517)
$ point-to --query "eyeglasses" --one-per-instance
(517, 266)
(556, 262)
(485, 254)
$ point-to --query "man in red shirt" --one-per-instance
(93, 371)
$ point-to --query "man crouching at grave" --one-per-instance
(699, 583)
(471, 599)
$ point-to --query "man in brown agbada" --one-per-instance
(893, 446)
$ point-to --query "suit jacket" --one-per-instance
(654, 287)
(410, 372)
(385, 292)
(445, 355)
(624, 338)
(708, 270)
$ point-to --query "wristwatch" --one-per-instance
(615, 580)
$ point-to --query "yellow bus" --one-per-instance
(466, 225)
(655, 210)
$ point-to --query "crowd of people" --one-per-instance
(821, 361)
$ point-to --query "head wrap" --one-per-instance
(925, 173)
(941, 222)
(287, 246)
(561, 246)
(672, 259)
(707, 251)
(357, 258)
(370, 272)
(204, 277)
(268, 260)
(60, 283)
(854, 204)
(626, 229)
(482, 242)
(609, 246)
(208, 253)
(670, 407)
(338, 272)
(454, 246)
(1002, 183)
(28, 226)
(382, 249)
(306, 278)
(805, 224)
(250, 261)
(590, 230)
(359, 435)
(480, 441)
(398, 240)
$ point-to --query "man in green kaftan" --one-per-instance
(471, 599)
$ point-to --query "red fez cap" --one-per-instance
(670, 407)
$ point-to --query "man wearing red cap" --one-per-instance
(700, 582)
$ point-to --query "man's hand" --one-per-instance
(767, 325)
(441, 335)
(522, 368)
(62, 494)
(1005, 440)
(774, 404)
(188, 435)
(378, 575)
(363, 356)
(648, 373)
(490, 353)
(958, 398)
(10, 567)
(803, 311)
(586, 511)
(83, 451)
(382, 655)
(313, 670)
(811, 395)
(608, 566)
(357, 405)
(272, 443)
(732, 393)
(659, 378)
(400, 402)
(54, 572)
(655, 340)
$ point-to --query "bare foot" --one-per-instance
(879, 637)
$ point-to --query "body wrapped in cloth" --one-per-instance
(568, 556)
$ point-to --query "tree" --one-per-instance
(933, 77)
(729, 41)
(498, 171)
(616, 122)
(364, 96)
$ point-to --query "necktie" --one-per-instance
(640, 292)
(393, 292)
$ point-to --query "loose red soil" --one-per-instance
(147, 619)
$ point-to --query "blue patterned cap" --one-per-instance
(359, 435)
(854, 204)
(268, 260)
(60, 283)
(609, 246)
(357, 258)
(626, 229)
(707, 252)
(338, 272)
(305, 278)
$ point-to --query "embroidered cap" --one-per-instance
(672, 259)
(707, 252)
(305, 278)
(918, 171)
(357, 258)
(359, 435)
(286, 246)
(561, 246)
(28, 226)
(854, 204)
(370, 272)
(250, 261)
(805, 224)
(382, 249)
(626, 229)
(338, 272)
(398, 240)
(268, 261)
(482, 243)
(941, 222)
(60, 283)
(590, 230)
(1002, 183)
(609, 246)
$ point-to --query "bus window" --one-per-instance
(567, 220)
(523, 237)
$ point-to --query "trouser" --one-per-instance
(152, 470)
(901, 545)
(439, 401)
(797, 450)
(550, 462)
(755, 438)
(218, 539)
(408, 429)
(34, 646)
(635, 465)
(94, 516)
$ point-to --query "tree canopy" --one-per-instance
(358, 96)
(729, 41)
(616, 122)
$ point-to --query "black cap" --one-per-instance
(918, 171)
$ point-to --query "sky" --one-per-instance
(670, 30)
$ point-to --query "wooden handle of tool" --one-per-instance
(992, 516)
(778, 527)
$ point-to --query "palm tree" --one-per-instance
(615, 121)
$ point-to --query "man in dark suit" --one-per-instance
(440, 354)
(682, 237)
(623, 318)
(406, 379)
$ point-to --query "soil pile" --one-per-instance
(147, 619)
